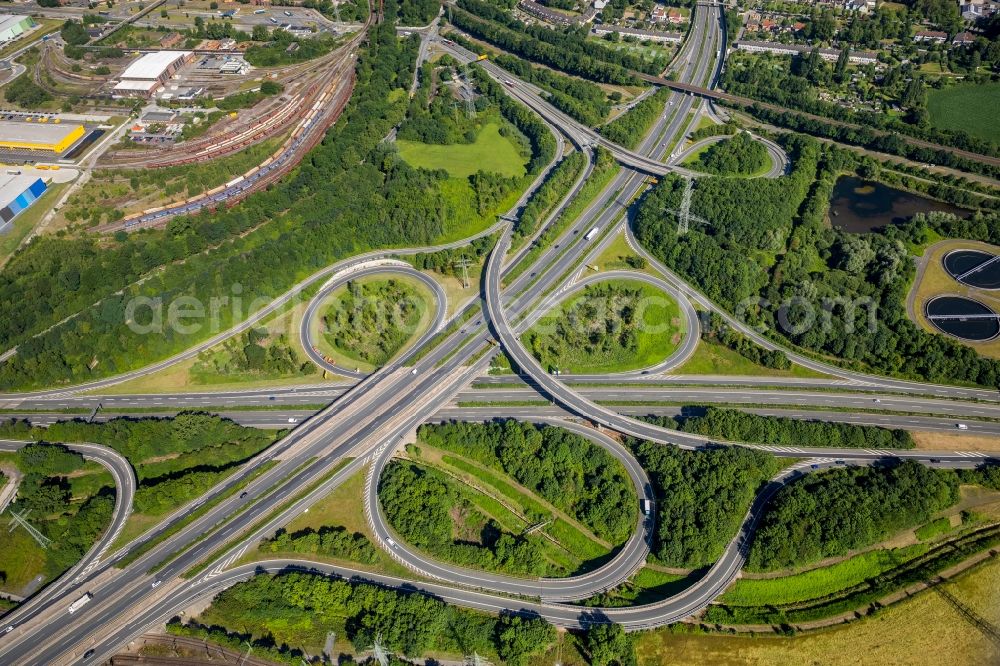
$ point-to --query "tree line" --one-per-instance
(631, 127)
(555, 187)
(834, 512)
(735, 425)
(581, 99)
(410, 624)
(566, 469)
(715, 330)
(332, 541)
(567, 51)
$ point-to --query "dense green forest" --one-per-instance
(701, 497)
(334, 542)
(348, 195)
(840, 510)
(631, 127)
(72, 516)
(740, 155)
(769, 257)
(286, 614)
(431, 514)
(175, 459)
(566, 469)
(567, 50)
(372, 320)
(738, 426)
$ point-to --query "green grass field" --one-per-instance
(489, 152)
(714, 359)
(967, 106)
(658, 332)
(819, 582)
(932, 529)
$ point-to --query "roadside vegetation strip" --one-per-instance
(934, 528)
(739, 426)
(187, 519)
(921, 569)
(819, 582)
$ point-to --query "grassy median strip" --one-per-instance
(221, 550)
(191, 517)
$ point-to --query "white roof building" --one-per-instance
(155, 66)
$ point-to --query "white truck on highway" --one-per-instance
(647, 507)
(590, 234)
(80, 603)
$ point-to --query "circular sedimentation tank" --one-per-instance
(974, 268)
(963, 318)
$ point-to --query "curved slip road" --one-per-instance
(692, 328)
(626, 561)
(125, 486)
(778, 157)
(398, 268)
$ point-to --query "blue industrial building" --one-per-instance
(17, 193)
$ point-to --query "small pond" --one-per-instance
(858, 206)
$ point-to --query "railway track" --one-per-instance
(332, 95)
(212, 653)
(271, 119)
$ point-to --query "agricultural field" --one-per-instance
(611, 327)
(905, 633)
(970, 107)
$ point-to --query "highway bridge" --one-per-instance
(182, 561)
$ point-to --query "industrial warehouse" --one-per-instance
(145, 75)
(53, 137)
(17, 192)
(12, 27)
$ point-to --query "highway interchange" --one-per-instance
(367, 418)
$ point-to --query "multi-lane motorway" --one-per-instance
(367, 420)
